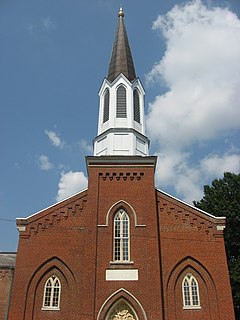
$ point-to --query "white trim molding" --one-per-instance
(128, 293)
(115, 204)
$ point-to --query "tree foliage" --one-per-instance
(222, 198)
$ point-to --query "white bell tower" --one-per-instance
(121, 124)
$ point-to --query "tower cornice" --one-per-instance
(122, 161)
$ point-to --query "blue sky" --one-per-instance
(53, 59)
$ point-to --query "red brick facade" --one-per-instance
(5, 284)
(168, 240)
(7, 262)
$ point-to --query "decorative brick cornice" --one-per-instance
(121, 175)
(183, 217)
(6, 273)
(52, 217)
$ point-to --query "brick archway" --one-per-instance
(208, 295)
(121, 305)
(52, 265)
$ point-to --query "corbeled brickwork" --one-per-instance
(121, 175)
(52, 216)
(178, 216)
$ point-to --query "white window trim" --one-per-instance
(191, 306)
(51, 307)
(121, 240)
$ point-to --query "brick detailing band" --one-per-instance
(54, 217)
(180, 218)
(122, 175)
(5, 273)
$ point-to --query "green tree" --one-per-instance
(222, 198)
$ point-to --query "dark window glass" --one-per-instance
(106, 106)
(121, 102)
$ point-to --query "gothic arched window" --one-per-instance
(121, 102)
(121, 310)
(52, 292)
(136, 105)
(106, 106)
(121, 237)
(190, 292)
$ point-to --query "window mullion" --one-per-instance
(121, 239)
(190, 291)
(51, 297)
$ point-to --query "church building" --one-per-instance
(121, 249)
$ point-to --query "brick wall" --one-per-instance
(74, 241)
(5, 287)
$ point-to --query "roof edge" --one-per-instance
(191, 206)
(51, 206)
(120, 160)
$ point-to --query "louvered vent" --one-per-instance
(106, 106)
(136, 105)
(121, 102)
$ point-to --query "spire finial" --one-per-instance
(120, 13)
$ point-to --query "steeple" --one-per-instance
(121, 123)
(121, 58)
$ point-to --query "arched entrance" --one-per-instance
(121, 305)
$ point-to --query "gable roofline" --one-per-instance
(121, 75)
(7, 260)
(53, 205)
(191, 206)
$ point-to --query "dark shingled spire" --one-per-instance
(121, 59)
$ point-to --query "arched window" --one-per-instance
(121, 102)
(106, 106)
(136, 105)
(190, 292)
(52, 291)
(121, 237)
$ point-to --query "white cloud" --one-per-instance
(44, 163)
(200, 68)
(55, 139)
(47, 24)
(86, 146)
(176, 169)
(70, 183)
(215, 165)
(37, 26)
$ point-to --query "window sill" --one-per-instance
(50, 308)
(191, 307)
(121, 262)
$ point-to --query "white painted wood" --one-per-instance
(121, 136)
